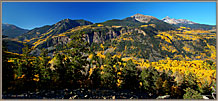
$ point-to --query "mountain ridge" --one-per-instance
(143, 18)
(50, 30)
(12, 31)
(58, 34)
(177, 21)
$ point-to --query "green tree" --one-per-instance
(70, 64)
(191, 94)
(190, 81)
(159, 87)
(109, 72)
(130, 75)
(7, 70)
(205, 88)
(44, 70)
(148, 77)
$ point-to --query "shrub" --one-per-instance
(191, 94)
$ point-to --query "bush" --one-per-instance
(192, 94)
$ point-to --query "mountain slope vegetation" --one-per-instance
(134, 58)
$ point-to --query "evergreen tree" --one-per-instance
(130, 76)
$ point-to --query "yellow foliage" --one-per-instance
(61, 35)
(116, 26)
(186, 49)
(153, 25)
(144, 25)
(118, 56)
(174, 50)
(100, 25)
(10, 60)
(36, 79)
(183, 27)
(90, 71)
(102, 46)
(165, 36)
(21, 77)
(119, 82)
(184, 67)
(124, 64)
(27, 40)
(36, 75)
(101, 55)
(140, 83)
(119, 63)
(125, 47)
(128, 39)
(198, 57)
(179, 29)
(90, 56)
(102, 67)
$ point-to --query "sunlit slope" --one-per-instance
(181, 44)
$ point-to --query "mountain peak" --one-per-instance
(65, 20)
(176, 21)
(138, 14)
(12, 31)
(141, 15)
(6, 24)
(143, 18)
(167, 17)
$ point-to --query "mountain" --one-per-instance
(139, 36)
(76, 53)
(96, 35)
(143, 18)
(12, 31)
(187, 23)
(13, 46)
(139, 20)
(101, 32)
(48, 31)
(138, 42)
(37, 36)
(197, 26)
(177, 21)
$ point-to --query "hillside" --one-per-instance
(142, 29)
(51, 30)
(154, 46)
(12, 31)
(139, 57)
(142, 42)
(198, 26)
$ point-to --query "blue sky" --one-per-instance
(29, 15)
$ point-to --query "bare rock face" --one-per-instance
(143, 18)
(177, 21)
(96, 37)
(101, 37)
(57, 40)
(141, 31)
